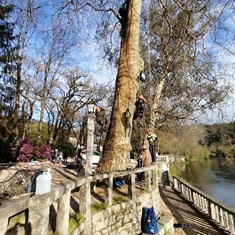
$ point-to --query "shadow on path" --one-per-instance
(184, 213)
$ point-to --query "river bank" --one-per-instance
(215, 177)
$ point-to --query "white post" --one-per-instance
(90, 137)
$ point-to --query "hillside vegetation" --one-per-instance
(195, 141)
(190, 141)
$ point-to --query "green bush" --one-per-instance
(67, 148)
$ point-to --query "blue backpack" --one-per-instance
(149, 221)
(118, 183)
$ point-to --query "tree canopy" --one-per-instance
(176, 44)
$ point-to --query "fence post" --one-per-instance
(148, 178)
(155, 178)
(131, 186)
(3, 227)
(62, 218)
(85, 204)
(39, 210)
(175, 181)
(109, 189)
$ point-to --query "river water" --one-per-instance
(215, 177)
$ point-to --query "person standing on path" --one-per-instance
(146, 156)
(146, 160)
(152, 139)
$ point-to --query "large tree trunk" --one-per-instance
(117, 145)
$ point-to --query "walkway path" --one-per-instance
(184, 213)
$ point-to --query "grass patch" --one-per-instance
(120, 199)
(98, 206)
(75, 221)
(17, 219)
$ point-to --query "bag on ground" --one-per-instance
(118, 183)
(149, 221)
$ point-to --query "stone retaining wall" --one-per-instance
(121, 219)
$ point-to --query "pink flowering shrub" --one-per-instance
(44, 151)
(28, 152)
(25, 151)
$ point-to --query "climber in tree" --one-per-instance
(139, 106)
(152, 139)
(123, 14)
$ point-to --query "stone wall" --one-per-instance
(121, 219)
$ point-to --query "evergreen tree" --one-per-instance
(7, 81)
(6, 60)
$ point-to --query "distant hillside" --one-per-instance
(220, 139)
(195, 141)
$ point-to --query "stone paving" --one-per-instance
(7, 171)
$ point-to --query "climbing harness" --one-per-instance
(140, 105)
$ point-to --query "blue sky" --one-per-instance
(100, 70)
(87, 56)
(222, 44)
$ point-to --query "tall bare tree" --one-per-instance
(182, 77)
(68, 104)
(53, 55)
(26, 24)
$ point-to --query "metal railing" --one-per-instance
(218, 213)
(168, 158)
(162, 158)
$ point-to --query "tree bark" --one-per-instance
(117, 145)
